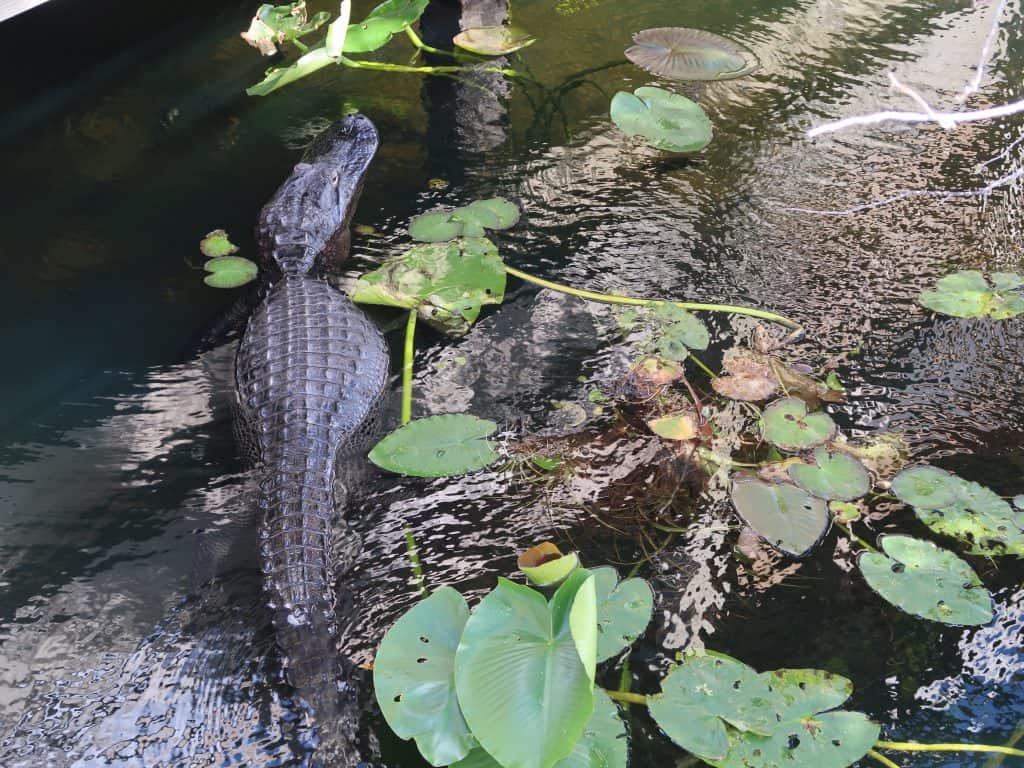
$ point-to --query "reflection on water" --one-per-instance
(131, 629)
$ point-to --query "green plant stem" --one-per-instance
(723, 461)
(626, 697)
(446, 70)
(700, 364)
(410, 335)
(882, 759)
(846, 529)
(607, 298)
(911, 746)
(413, 552)
(1015, 737)
(418, 42)
(625, 677)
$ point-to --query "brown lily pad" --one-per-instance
(747, 378)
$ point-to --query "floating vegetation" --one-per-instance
(276, 24)
(545, 565)
(468, 221)
(217, 244)
(493, 41)
(623, 611)
(833, 476)
(666, 120)
(680, 426)
(789, 518)
(679, 53)
(926, 581)
(790, 427)
(225, 270)
(969, 294)
(438, 446)
(745, 377)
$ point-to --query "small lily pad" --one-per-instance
(832, 476)
(468, 221)
(926, 581)
(678, 427)
(666, 120)
(969, 294)
(788, 517)
(447, 283)
(789, 426)
(845, 512)
(437, 446)
(679, 53)
(216, 245)
(229, 272)
(745, 378)
(414, 677)
(623, 610)
(545, 565)
(493, 41)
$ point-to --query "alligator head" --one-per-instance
(319, 197)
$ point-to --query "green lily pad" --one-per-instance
(229, 272)
(789, 426)
(679, 331)
(832, 476)
(679, 53)
(525, 666)
(703, 694)
(414, 677)
(969, 294)
(494, 41)
(666, 120)
(678, 427)
(216, 244)
(603, 744)
(437, 446)
(545, 565)
(964, 510)
(845, 512)
(926, 581)
(783, 725)
(275, 24)
(376, 30)
(623, 611)
(787, 517)
(447, 283)
(468, 221)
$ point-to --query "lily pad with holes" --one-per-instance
(447, 283)
(926, 581)
(679, 53)
(666, 120)
(216, 244)
(745, 377)
(789, 426)
(623, 611)
(969, 294)
(525, 661)
(787, 517)
(494, 40)
(414, 677)
(832, 476)
(229, 272)
(545, 565)
(468, 221)
(437, 446)
(678, 427)
(784, 723)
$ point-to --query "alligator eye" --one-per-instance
(335, 178)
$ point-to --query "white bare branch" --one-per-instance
(986, 53)
(945, 119)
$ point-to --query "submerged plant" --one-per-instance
(679, 53)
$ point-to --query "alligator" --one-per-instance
(310, 373)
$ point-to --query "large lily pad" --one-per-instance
(493, 41)
(679, 53)
(229, 272)
(414, 677)
(783, 721)
(623, 610)
(832, 476)
(447, 283)
(468, 221)
(964, 510)
(789, 426)
(666, 120)
(926, 581)
(527, 663)
(437, 446)
(969, 294)
(789, 518)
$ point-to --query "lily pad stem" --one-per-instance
(700, 364)
(846, 529)
(418, 42)
(410, 335)
(723, 461)
(607, 298)
(413, 553)
(882, 759)
(626, 697)
(912, 746)
(386, 67)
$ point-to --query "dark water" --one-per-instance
(120, 487)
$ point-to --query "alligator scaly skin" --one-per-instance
(310, 372)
